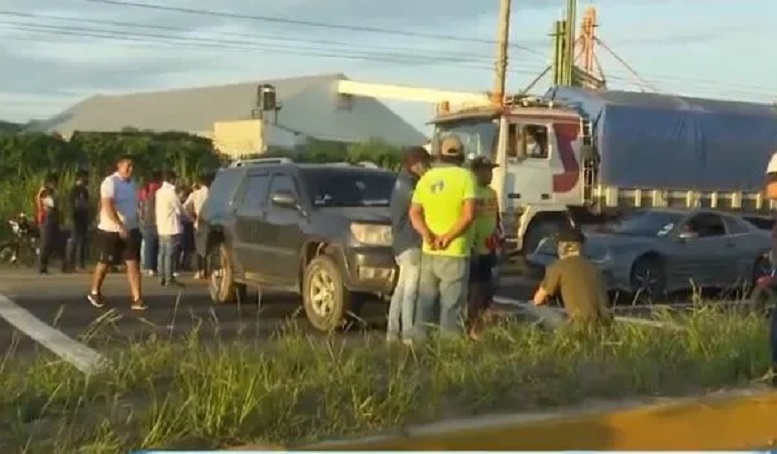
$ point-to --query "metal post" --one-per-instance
(503, 40)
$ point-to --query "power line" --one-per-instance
(271, 39)
(196, 43)
(282, 20)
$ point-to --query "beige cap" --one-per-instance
(451, 146)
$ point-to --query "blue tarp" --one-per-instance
(651, 140)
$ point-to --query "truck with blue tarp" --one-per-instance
(578, 154)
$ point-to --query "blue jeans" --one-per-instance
(150, 250)
(169, 247)
(444, 280)
(401, 314)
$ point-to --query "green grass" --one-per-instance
(193, 393)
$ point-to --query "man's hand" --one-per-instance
(123, 232)
(430, 240)
(443, 241)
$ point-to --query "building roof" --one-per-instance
(310, 107)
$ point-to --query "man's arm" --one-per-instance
(107, 194)
(419, 223)
(188, 205)
(468, 212)
(399, 205)
(180, 211)
(550, 285)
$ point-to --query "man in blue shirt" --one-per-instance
(406, 245)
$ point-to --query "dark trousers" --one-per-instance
(78, 245)
(50, 244)
(773, 338)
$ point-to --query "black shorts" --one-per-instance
(115, 249)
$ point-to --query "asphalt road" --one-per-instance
(58, 300)
(52, 310)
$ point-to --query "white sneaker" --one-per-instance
(150, 273)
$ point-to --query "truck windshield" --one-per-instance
(479, 136)
(648, 223)
(349, 187)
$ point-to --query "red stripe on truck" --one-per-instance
(566, 135)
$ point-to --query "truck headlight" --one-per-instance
(373, 234)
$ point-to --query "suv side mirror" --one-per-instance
(284, 199)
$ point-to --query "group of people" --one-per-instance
(48, 217)
(447, 237)
(150, 223)
(168, 243)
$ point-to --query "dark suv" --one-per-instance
(319, 230)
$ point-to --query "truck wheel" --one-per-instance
(539, 232)
(221, 285)
(324, 297)
(648, 279)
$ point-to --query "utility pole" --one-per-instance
(503, 40)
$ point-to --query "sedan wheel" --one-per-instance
(648, 280)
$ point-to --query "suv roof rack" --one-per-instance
(260, 161)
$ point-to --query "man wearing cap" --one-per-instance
(771, 193)
(577, 281)
(442, 211)
(486, 241)
(406, 243)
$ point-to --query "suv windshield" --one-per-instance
(479, 136)
(648, 223)
(349, 187)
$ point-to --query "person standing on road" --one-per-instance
(118, 233)
(170, 214)
(48, 212)
(486, 242)
(579, 284)
(150, 245)
(406, 243)
(79, 200)
(442, 211)
(771, 193)
(193, 206)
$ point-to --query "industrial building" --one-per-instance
(310, 107)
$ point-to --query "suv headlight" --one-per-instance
(373, 234)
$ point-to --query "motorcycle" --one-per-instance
(22, 248)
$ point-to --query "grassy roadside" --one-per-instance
(167, 393)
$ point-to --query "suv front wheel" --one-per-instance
(324, 297)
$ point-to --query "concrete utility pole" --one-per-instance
(503, 40)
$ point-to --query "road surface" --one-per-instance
(58, 301)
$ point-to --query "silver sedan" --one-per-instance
(654, 252)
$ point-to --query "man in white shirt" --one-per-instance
(193, 206)
(118, 235)
(169, 226)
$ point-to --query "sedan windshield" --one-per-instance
(647, 223)
(349, 187)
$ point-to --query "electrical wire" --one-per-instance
(307, 23)
(348, 52)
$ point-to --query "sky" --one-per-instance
(55, 53)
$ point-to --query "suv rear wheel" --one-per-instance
(324, 297)
(221, 286)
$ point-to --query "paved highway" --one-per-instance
(58, 301)
(52, 310)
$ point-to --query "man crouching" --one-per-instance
(579, 284)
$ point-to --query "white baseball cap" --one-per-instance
(772, 166)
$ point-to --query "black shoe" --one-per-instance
(95, 299)
(43, 271)
(163, 282)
